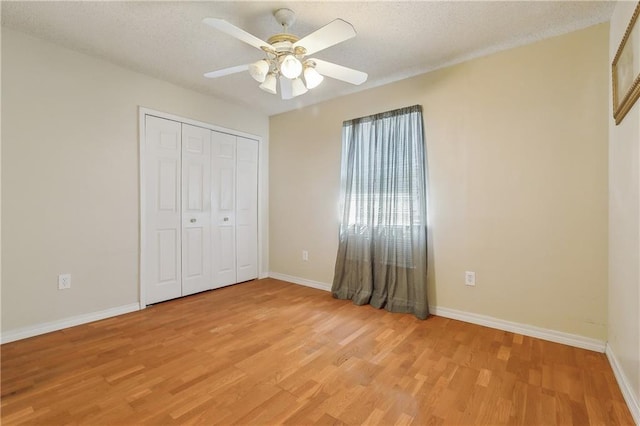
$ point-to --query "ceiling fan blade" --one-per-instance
(331, 34)
(226, 71)
(286, 88)
(339, 72)
(232, 30)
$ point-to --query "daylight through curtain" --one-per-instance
(382, 252)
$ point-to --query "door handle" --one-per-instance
(192, 221)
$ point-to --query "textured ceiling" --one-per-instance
(396, 39)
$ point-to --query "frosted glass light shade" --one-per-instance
(290, 67)
(269, 84)
(259, 70)
(312, 77)
(298, 88)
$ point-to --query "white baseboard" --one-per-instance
(301, 281)
(524, 329)
(47, 327)
(623, 382)
(487, 321)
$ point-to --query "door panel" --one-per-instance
(193, 241)
(196, 209)
(168, 180)
(223, 196)
(163, 269)
(247, 209)
(167, 245)
(226, 188)
(195, 182)
(226, 259)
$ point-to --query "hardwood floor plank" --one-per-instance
(270, 352)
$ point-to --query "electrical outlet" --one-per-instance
(305, 255)
(64, 281)
(469, 278)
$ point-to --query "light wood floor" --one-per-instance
(269, 352)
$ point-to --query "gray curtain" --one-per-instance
(382, 252)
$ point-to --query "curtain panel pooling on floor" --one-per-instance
(382, 251)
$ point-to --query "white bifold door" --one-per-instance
(200, 215)
(196, 209)
(235, 208)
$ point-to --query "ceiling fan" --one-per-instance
(286, 56)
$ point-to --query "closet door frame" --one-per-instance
(142, 113)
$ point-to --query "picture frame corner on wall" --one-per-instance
(625, 69)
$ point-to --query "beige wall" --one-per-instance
(624, 227)
(70, 176)
(517, 153)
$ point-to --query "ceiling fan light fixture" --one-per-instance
(259, 70)
(269, 84)
(290, 67)
(298, 88)
(312, 77)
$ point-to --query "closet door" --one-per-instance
(223, 207)
(246, 209)
(196, 209)
(162, 203)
